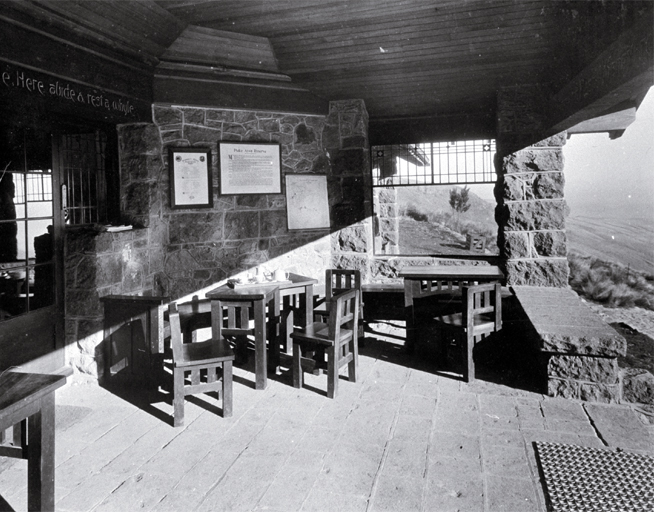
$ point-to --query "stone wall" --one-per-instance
(99, 264)
(531, 207)
(204, 247)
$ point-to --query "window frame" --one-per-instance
(488, 175)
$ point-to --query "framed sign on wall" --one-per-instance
(307, 203)
(250, 168)
(190, 178)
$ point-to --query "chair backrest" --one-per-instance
(175, 331)
(194, 315)
(344, 313)
(234, 319)
(482, 299)
(338, 280)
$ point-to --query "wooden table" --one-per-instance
(420, 282)
(270, 295)
(29, 398)
(296, 296)
(260, 296)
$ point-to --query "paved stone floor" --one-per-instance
(402, 438)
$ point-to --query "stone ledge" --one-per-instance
(564, 324)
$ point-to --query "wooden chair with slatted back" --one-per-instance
(208, 363)
(231, 320)
(337, 281)
(481, 315)
(337, 336)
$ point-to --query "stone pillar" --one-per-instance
(531, 206)
(345, 138)
(387, 222)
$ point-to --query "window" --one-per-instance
(83, 162)
(435, 198)
(26, 222)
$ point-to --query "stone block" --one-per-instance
(251, 202)
(355, 141)
(548, 185)
(304, 134)
(179, 264)
(516, 245)
(82, 302)
(602, 370)
(602, 393)
(540, 272)
(637, 386)
(558, 140)
(233, 129)
(513, 187)
(269, 125)
(385, 195)
(165, 115)
(351, 239)
(533, 160)
(241, 225)
(196, 227)
(535, 215)
(136, 139)
(108, 270)
(273, 223)
(244, 116)
(550, 244)
(349, 161)
(201, 134)
(331, 138)
(321, 164)
(212, 115)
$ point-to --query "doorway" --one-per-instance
(31, 295)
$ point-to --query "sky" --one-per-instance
(613, 178)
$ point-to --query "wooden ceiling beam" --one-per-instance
(619, 74)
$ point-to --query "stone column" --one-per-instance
(387, 222)
(345, 138)
(531, 206)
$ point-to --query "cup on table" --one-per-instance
(280, 275)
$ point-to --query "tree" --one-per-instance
(460, 201)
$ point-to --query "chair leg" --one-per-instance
(332, 370)
(227, 389)
(353, 366)
(298, 376)
(469, 363)
(178, 397)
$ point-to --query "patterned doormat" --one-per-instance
(580, 479)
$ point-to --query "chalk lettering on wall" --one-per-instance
(18, 79)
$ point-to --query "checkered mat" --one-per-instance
(580, 479)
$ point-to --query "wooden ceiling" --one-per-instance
(404, 58)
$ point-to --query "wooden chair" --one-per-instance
(338, 338)
(337, 281)
(210, 356)
(481, 315)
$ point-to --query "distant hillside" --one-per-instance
(437, 199)
(429, 225)
(629, 242)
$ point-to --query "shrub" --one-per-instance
(413, 213)
(611, 284)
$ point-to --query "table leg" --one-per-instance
(308, 304)
(260, 352)
(41, 456)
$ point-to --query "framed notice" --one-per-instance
(250, 168)
(307, 203)
(190, 178)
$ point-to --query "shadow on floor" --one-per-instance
(499, 359)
